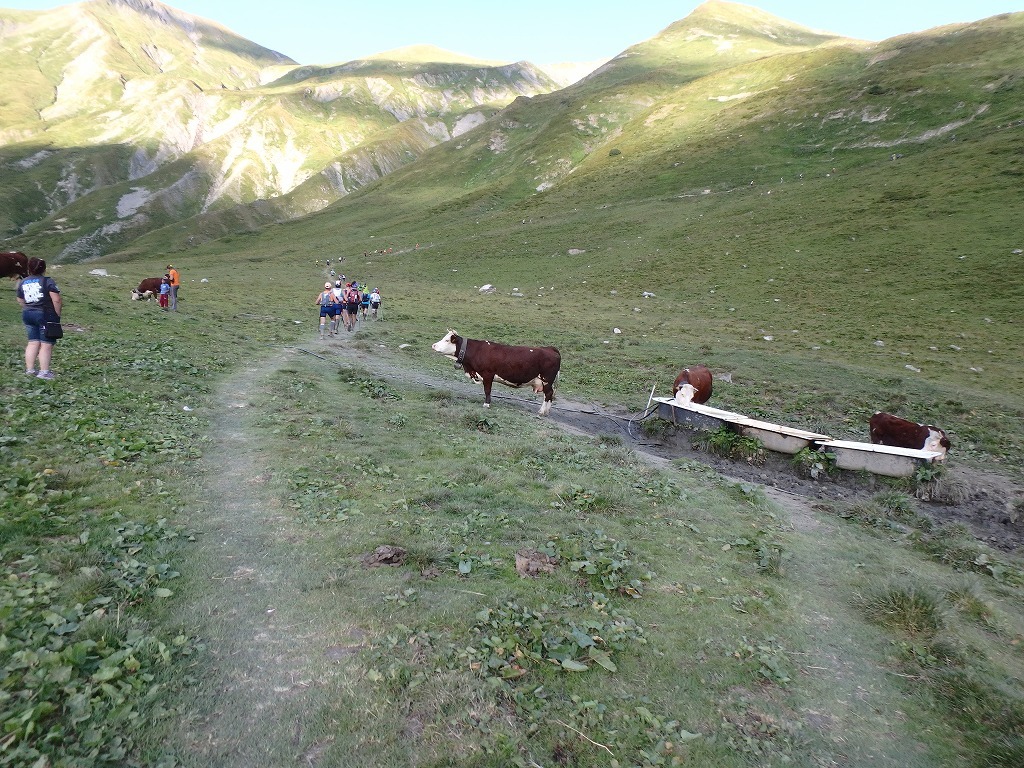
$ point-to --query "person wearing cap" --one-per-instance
(325, 300)
(175, 280)
(375, 302)
(338, 294)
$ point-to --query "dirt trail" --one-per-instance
(270, 629)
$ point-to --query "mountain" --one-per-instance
(124, 116)
(190, 134)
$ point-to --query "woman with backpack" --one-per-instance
(41, 304)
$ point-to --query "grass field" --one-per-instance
(193, 499)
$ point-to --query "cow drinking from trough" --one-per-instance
(147, 289)
(887, 429)
(692, 385)
(13, 264)
(513, 366)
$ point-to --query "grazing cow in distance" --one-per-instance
(692, 385)
(887, 429)
(513, 366)
(147, 289)
(13, 264)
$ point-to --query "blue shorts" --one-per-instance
(34, 319)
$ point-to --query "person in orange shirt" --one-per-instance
(172, 273)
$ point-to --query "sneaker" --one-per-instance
(45, 375)
(30, 373)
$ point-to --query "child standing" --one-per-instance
(165, 292)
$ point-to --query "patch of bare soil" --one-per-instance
(987, 503)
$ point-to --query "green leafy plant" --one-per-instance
(732, 445)
(769, 658)
(509, 639)
(770, 559)
(608, 564)
(816, 464)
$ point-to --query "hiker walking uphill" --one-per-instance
(375, 302)
(352, 299)
(328, 309)
(339, 302)
(175, 280)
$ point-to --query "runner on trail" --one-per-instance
(352, 299)
(325, 300)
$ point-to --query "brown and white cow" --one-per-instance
(13, 264)
(147, 289)
(692, 385)
(887, 429)
(513, 366)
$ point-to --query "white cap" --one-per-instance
(327, 285)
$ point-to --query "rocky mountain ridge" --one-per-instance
(129, 115)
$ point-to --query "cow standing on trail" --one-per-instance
(513, 366)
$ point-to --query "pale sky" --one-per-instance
(540, 31)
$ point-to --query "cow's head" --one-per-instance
(446, 345)
(937, 440)
(685, 393)
(135, 294)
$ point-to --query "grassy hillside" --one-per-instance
(786, 226)
(190, 520)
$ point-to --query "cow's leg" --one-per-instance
(549, 395)
(488, 381)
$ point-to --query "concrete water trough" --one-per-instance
(869, 457)
(879, 459)
(695, 414)
(774, 437)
